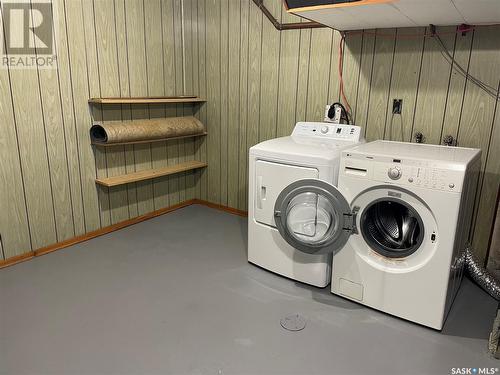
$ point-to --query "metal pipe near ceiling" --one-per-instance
(286, 26)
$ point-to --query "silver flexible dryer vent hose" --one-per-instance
(480, 275)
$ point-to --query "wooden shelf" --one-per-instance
(150, 173)
(147, 141)
(148, 100)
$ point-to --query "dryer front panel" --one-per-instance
(270, 179)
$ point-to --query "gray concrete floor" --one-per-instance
(175, 295)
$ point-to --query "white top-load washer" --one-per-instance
(414, 206)
(295, 237)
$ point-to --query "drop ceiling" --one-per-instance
(367, 14)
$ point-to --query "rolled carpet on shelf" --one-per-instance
(110, 132)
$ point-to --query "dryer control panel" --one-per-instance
(325, 130)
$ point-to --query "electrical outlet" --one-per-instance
(397, 106)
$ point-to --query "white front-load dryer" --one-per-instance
(414, 205)
(292, 231)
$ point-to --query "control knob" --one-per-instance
(394, 173)
(324, 129)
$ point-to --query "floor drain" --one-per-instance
(293, 322)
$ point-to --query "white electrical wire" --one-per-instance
(490, 90)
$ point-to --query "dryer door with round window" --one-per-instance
(314, 217)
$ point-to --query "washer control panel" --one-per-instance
(403, 172)
(424, 176)
(326, 130)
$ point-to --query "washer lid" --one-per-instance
(314, 217)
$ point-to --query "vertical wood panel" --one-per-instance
(456, 88)
(169, 83)
(334, 79)
(104, 14)
(303, 74)
(233, 131)
(213, 97)
(201, 141)
(14, 229)
(320, 66)
(433, 88)
(126, 110)
(478, 108)
(380, 84)
(187, 50)
(176, 148)
(156, 79)
(32, 145)
(351, 67)
(404, 84)
(489, 192)
(70, 134)
(180, 81)
(478, 118)
(139, 87)
(79, 67)
(197, 110)
(365, 79)
(288, 79)
(191, 68)
(52, 120)
(243, 98)
(224, 97)
(271, 40)
(94, 90)
(107, 53)
(254, 74)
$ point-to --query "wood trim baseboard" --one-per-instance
(220, 207)
(17, 259)
(123, 224)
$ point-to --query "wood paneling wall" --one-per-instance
(261, 82)
(47, 165)
(258, 81)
